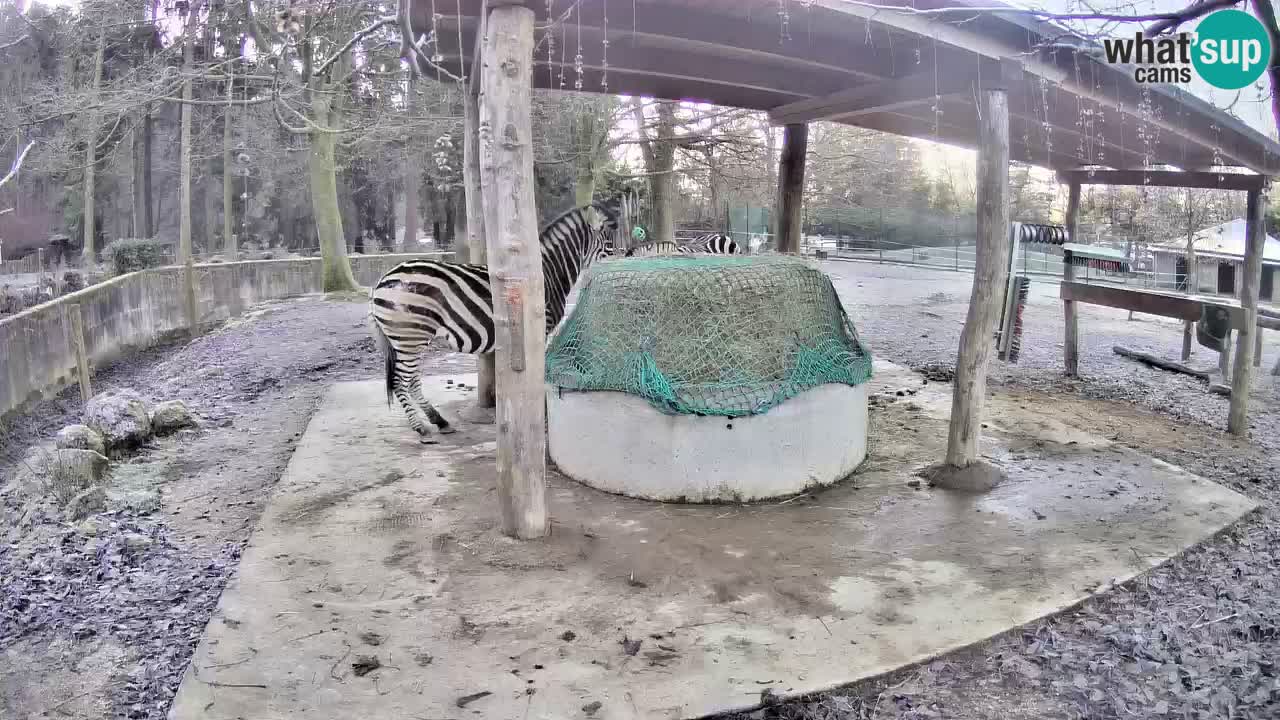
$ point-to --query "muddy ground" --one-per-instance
(99, 619)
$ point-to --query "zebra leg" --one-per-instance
(415, 391)
(405, 386)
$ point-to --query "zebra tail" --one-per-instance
(389, 352)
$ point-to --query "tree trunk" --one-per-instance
(795, 143)
(511, 223)
(336, 270)
(988, 280)
(229, 240)
(89, 252)
(1242, 373)
(184, 174)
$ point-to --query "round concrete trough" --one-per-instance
(621, 444)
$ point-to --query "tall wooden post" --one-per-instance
(795, 145)
(485, 396)
(515, 266)
(1071, 335)
(962, 469)
(1242, 373)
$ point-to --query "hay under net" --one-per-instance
(707, 335)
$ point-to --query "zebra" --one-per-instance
(418, 300)
(714, 244)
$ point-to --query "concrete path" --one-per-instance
(378, 587)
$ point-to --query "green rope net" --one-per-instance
(707, 334)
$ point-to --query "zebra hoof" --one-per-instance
(428, 440)
(447, 430)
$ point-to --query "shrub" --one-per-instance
(128, 255)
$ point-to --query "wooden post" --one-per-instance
(78, 345)
(40, 271)
(795, 145)
(1071, 334)
(1257, 348)
(990, 266)
(1224, 359)
(1242, 375)
(1187, 332)
(515, 266)
(485, 396)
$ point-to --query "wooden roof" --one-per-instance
(913, 75)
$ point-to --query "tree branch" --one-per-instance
(17, 164)
(1267, 14)
(375, 27)
(15, 43)
(1189, 13)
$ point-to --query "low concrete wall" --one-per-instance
(142, 308)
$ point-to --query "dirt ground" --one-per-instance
(99, 619)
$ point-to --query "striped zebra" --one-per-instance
(419, 300)
(714, 243)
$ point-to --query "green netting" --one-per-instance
(707, 334)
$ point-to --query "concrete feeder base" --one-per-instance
(621, 444)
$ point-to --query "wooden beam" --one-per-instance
(890, 94)
(75, 332)
(1166, 178)
(795, 147)
(1071, 333)
(989, 267)
(515, 268)
(1145, 301)
(1242, 374)
(478, 250)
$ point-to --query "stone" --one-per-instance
(81, 437)
(87, 502)
(142, 501)
(137, 541)
(90, 527)
(121, 417)
(72, 471)
(171, 416)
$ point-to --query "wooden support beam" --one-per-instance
(1166, 178)
(1179, 307)
(1071, 333)
(890, 94)
(1242, 374)
(515, 268)
(795, 147)
(485, 395)
(988, 279)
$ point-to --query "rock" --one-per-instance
(73, 471)
(170, 417)
(267, 255)
(137, 500)
(81, 437)
(137, 541)
(90, 527)
(87, 502)
(121, 417)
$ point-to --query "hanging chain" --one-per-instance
(577, 59)
(604, 49)
(551, 44)
(784, 17)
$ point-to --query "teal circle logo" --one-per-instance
(1232, 49)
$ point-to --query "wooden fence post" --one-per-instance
(485, 391)
(515, 267)
(1071, 334)
(1242, 373)
(82, 355)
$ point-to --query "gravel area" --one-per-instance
(98, 619)
(1196, 638)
